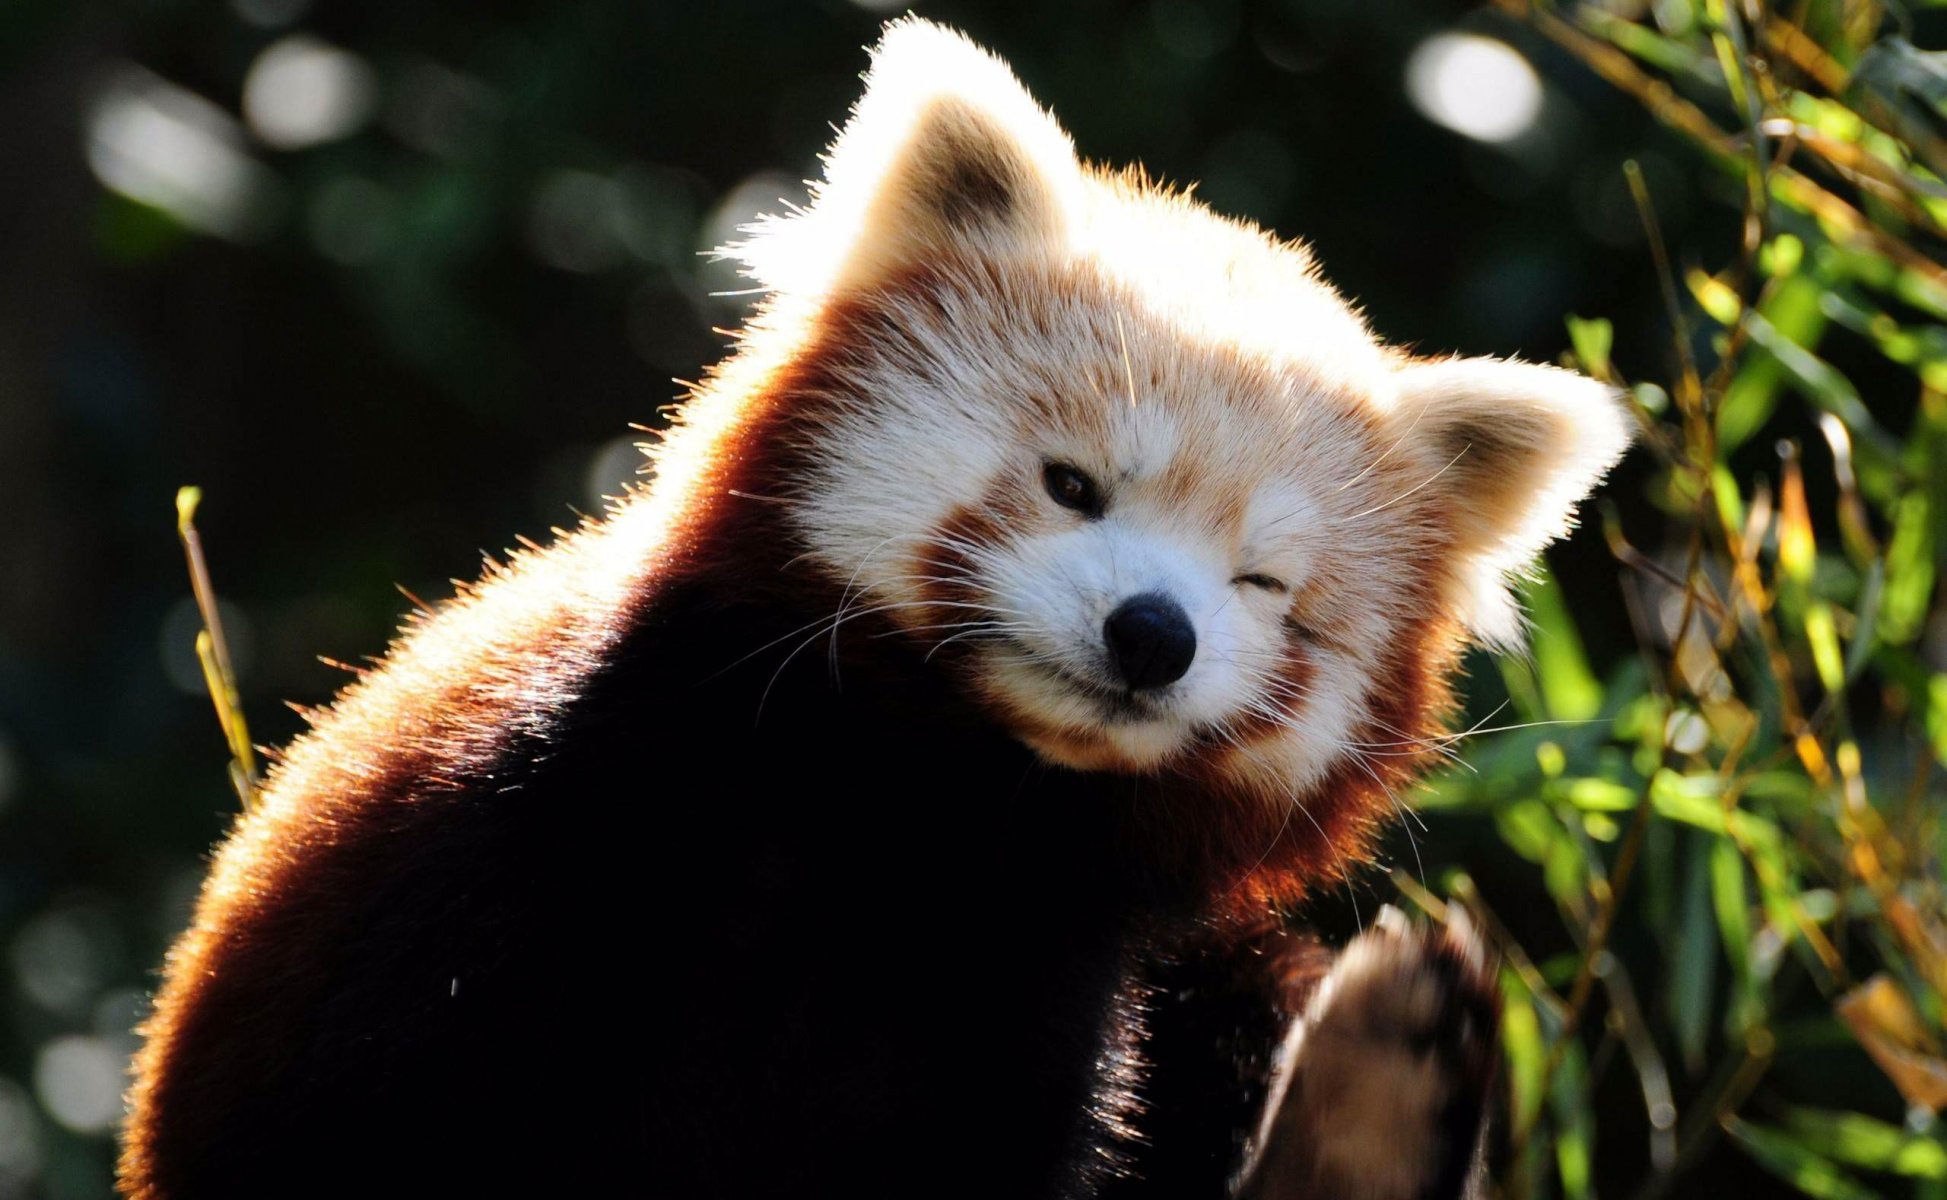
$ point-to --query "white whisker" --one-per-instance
(1416, 487)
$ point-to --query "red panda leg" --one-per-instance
(1380, 1090)
(1214, 1004)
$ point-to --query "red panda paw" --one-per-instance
(1380, 1090)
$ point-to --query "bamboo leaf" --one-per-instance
(1592, 338)
(1820, 382)
(1783, 1156)
(1862, 1141)
(1574, 1123)
(1731, 899)
(1693, 967)
(1569, 689)
(1521, 1043)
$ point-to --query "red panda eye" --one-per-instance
(1070, 487)
(1266, 582)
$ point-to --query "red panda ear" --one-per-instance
(945, 151)
(1509, 449)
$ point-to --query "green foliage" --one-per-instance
(1745, 844)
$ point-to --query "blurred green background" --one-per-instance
(390, 281)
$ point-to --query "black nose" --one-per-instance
(1151, 640)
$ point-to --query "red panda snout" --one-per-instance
(1151, 641)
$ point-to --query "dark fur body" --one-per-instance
(871, 941)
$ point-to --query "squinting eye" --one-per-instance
(1071, 488)
(1261, 581)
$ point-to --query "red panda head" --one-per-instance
(1133, 471)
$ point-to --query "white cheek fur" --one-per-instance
(889, 481)
(1063, 586)
(884, 488)
(1316, 725)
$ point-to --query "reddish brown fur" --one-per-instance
(400, 731)
(467, 697)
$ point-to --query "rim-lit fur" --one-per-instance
(1334, 517)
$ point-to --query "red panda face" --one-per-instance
(1131, 473)
(1158, 575)
(1132, 544)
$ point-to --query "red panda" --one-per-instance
(906, 791)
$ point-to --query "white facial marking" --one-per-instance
(1225, 487)
(1066, 584)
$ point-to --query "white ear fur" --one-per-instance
(1510, 449)
(945, 150)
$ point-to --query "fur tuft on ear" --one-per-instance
(1510, 448)
(946, 150)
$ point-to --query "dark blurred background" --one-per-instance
(391, 281)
